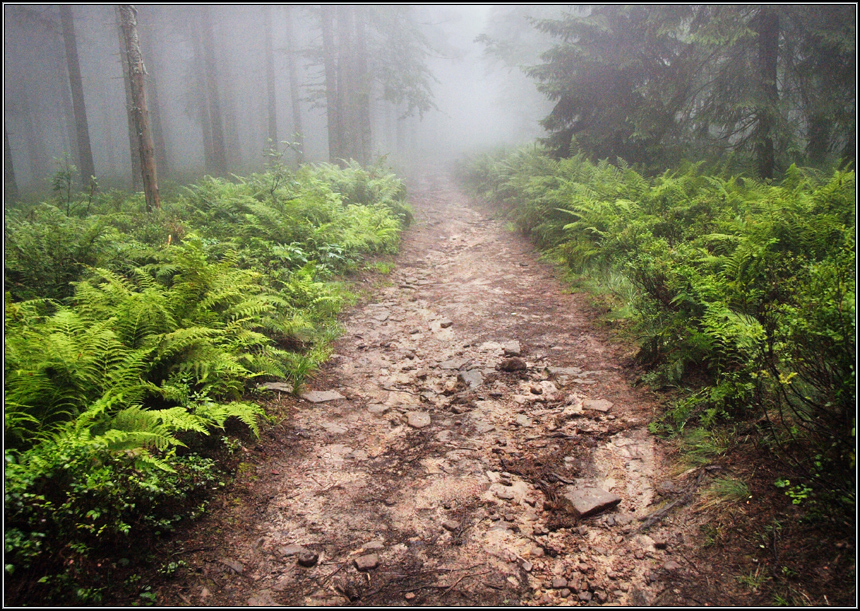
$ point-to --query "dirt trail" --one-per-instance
(439, 477)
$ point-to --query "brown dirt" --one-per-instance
(351, 477)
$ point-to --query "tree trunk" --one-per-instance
(146, 36)
(271, 98)
(85, 154)
(10, 185)
(295, 96)
(133, 138)
(364, 83)
(219, 153)
(767, 28)
(331, 85)
(137, 77)
(347, 85)
(202, 101)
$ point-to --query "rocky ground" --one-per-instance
(474, 441)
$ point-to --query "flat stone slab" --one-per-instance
(587, 500)
(292, 549)
(418, 420)
(472, 378)
(334, 428)
(512, 348)
(321, 396)
(366, 563)
(378, 408)
(598, 405)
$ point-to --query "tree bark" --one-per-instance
(331, 84)
(767, 28)
(133, 138)
(82, 131)
(137, 77)
(364, 84)
(295, 96)
(219, 153)
(271, 98)
(10, 185)
(146, 36)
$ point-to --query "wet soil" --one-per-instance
(475, 393)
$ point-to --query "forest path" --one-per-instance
(474, 391)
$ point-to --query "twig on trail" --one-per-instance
(201, 548)
(465, 568)
(563, 480)
(651, 519)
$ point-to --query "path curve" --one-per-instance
(477, 400)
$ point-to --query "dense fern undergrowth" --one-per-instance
(740, 293)
(132, 339)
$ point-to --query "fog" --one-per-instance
(431, 91)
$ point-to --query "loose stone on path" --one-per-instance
(418, 420)
(321, 396)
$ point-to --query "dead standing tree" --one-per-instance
(136, 78)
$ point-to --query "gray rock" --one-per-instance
(585, 596)
(587, 501)
(504, 494)
(382, 316)
(523, 420)
(445, 323)
(378, 408)
(558, 583)
(322, 396)
(512, 348)
(366, 563)
(236, 567)
(472, 378)
(292, 550)
(333, 428)
(599, 405)
(450, 525)
(418, 420)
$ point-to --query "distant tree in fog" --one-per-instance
(85, 154)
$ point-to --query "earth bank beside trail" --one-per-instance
(470, 413)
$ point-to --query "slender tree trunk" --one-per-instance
(271, 98)
(346, 84)
(137, 76)
(295, 96)
(767, 29)
(147, 39)
(202, 98)
(363, 89)
(133, 138)
(331, 86)
(219, 153)
(70, 142)
(85, 154)
(10, 185)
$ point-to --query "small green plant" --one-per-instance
(726, 490)
(799, 493)
(754, 580)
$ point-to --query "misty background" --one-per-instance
(452, 96)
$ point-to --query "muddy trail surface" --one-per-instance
(474, 441)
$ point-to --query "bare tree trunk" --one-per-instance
(146, 36)
(219, 153)
(295, 97)
(767, 29)
(10, 185)
(85, 154)
(364, 136)
(331, 84)
(133, 138)
(271, 98)
(346, 85)
(202, 101)
(136, 75)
